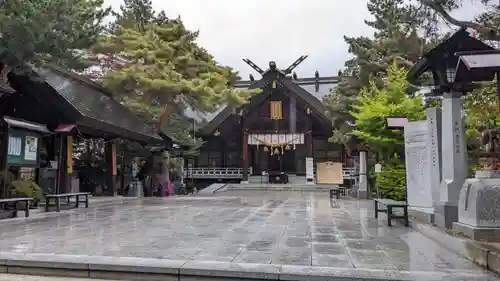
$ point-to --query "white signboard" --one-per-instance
(310, 169)
(378, 168)
(15, 145)
(275, 139)
(30, 148)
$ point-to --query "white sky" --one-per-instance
(279, 30)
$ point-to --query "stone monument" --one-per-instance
(423, 165)
(362, 191)
(455, 171)
(479, 209)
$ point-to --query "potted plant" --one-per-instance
(26, 188)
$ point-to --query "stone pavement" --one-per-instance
(15, 277)
(282, 228)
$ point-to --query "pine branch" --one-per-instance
(488, 33)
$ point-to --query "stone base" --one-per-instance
(362, 194)
(445, 216)
(490, 234)
(421, 216)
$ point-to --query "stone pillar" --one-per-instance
(363, 180)
(245, 158)
(293, 114)
(453, 150)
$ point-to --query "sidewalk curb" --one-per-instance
(473, 251)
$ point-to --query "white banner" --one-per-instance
(275, 139)
(310, 169)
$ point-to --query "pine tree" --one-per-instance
(156, 67)
(54, 31)
(403, 33)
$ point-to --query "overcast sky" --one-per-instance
(279, 30)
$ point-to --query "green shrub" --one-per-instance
(391, 183)
(25, 188)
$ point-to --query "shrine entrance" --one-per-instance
(275, 152)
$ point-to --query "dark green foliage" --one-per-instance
(56, 31)
(25, 188)
(391, 182)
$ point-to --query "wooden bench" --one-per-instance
(390, 205)
(57, 199)
(334, 191)
(26, 200)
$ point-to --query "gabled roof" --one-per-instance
(85, 103)
(317, 107)
(445, 53)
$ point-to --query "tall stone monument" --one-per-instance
(454, 148)
(423, 165)
(362, 192)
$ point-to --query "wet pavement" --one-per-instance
(288, 228)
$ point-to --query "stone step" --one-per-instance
(128, 268)
(213, 188)
(280, 187)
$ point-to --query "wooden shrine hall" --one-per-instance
(67, 106)
(273, 134)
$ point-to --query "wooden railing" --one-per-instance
(215, 173)
(237, 173)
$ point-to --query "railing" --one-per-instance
(237, 173)
(215, 173)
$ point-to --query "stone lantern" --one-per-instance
(448, 82)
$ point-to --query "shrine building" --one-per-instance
(274, 133)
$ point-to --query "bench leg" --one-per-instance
(67, 199)
(27, 209)
(405, 209)
(337, 195)
(77, 201)
(389, 215)
(376, 209)
(58, 204)
(86, 201)
(47, 202)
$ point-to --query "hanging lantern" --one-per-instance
(276, 151)
(282, 150)
(294, 147)
(287, 147)
(266, 149)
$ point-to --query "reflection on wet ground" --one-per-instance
(255, 227)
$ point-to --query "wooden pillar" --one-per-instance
(4, 146)
(292, 115)
(308, 138)
(62, 185)
(245, 157)
(110, 156)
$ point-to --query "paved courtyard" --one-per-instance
(289, 228)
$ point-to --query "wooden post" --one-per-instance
(110, 156)
(62, 166)
(245, 158)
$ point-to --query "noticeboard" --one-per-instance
(22, 147)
